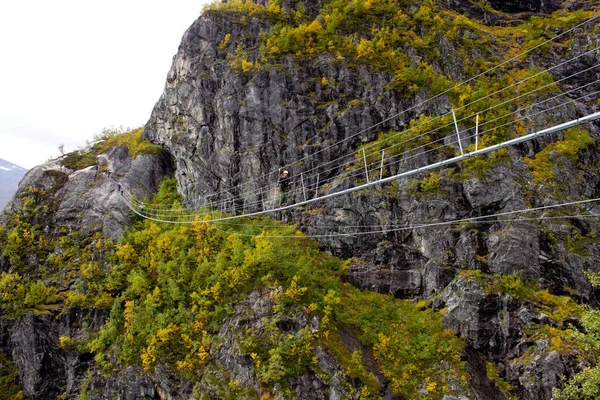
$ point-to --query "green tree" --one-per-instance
(585, 385)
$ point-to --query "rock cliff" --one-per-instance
(227, 128)
(259, 86)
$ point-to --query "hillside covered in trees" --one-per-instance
(475, 281)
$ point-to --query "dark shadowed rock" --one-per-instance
(41, 363)
(513, 6)
(398, 282)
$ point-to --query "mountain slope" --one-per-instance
(306, 86)
(10, 176)
(437, 287)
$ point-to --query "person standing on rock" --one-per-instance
(283, 180)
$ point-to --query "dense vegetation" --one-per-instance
(9, 390)
(170, 288)
(586, 383)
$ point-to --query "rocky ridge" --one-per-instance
(224, 128)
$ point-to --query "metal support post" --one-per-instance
(303, 189)
(381, 167)
(457, 134)
(366, 170)
(476, 131)
(317, 187)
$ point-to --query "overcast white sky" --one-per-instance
(70, 68)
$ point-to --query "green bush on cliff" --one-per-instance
(108, 139)
(557, 153)
(408, 340)
(8, 374)
(585, 385)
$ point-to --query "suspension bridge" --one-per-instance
(370, 167)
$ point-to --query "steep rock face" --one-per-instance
(229, 130)
(225, 129)
(46, 370)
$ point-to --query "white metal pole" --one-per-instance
(366, 170)
(303, 189)
(457, 133)
(476, 131)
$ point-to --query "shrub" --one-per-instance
(8, 375)
(109, 138)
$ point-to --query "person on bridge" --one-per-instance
(283, 180)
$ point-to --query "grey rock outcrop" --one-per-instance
(496, 325)
(45, 370)
(88, 199)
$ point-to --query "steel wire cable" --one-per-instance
(388, 229)
(441, 139)
(443, 115)
(358, 172)
(422, 226)
(359, 168)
